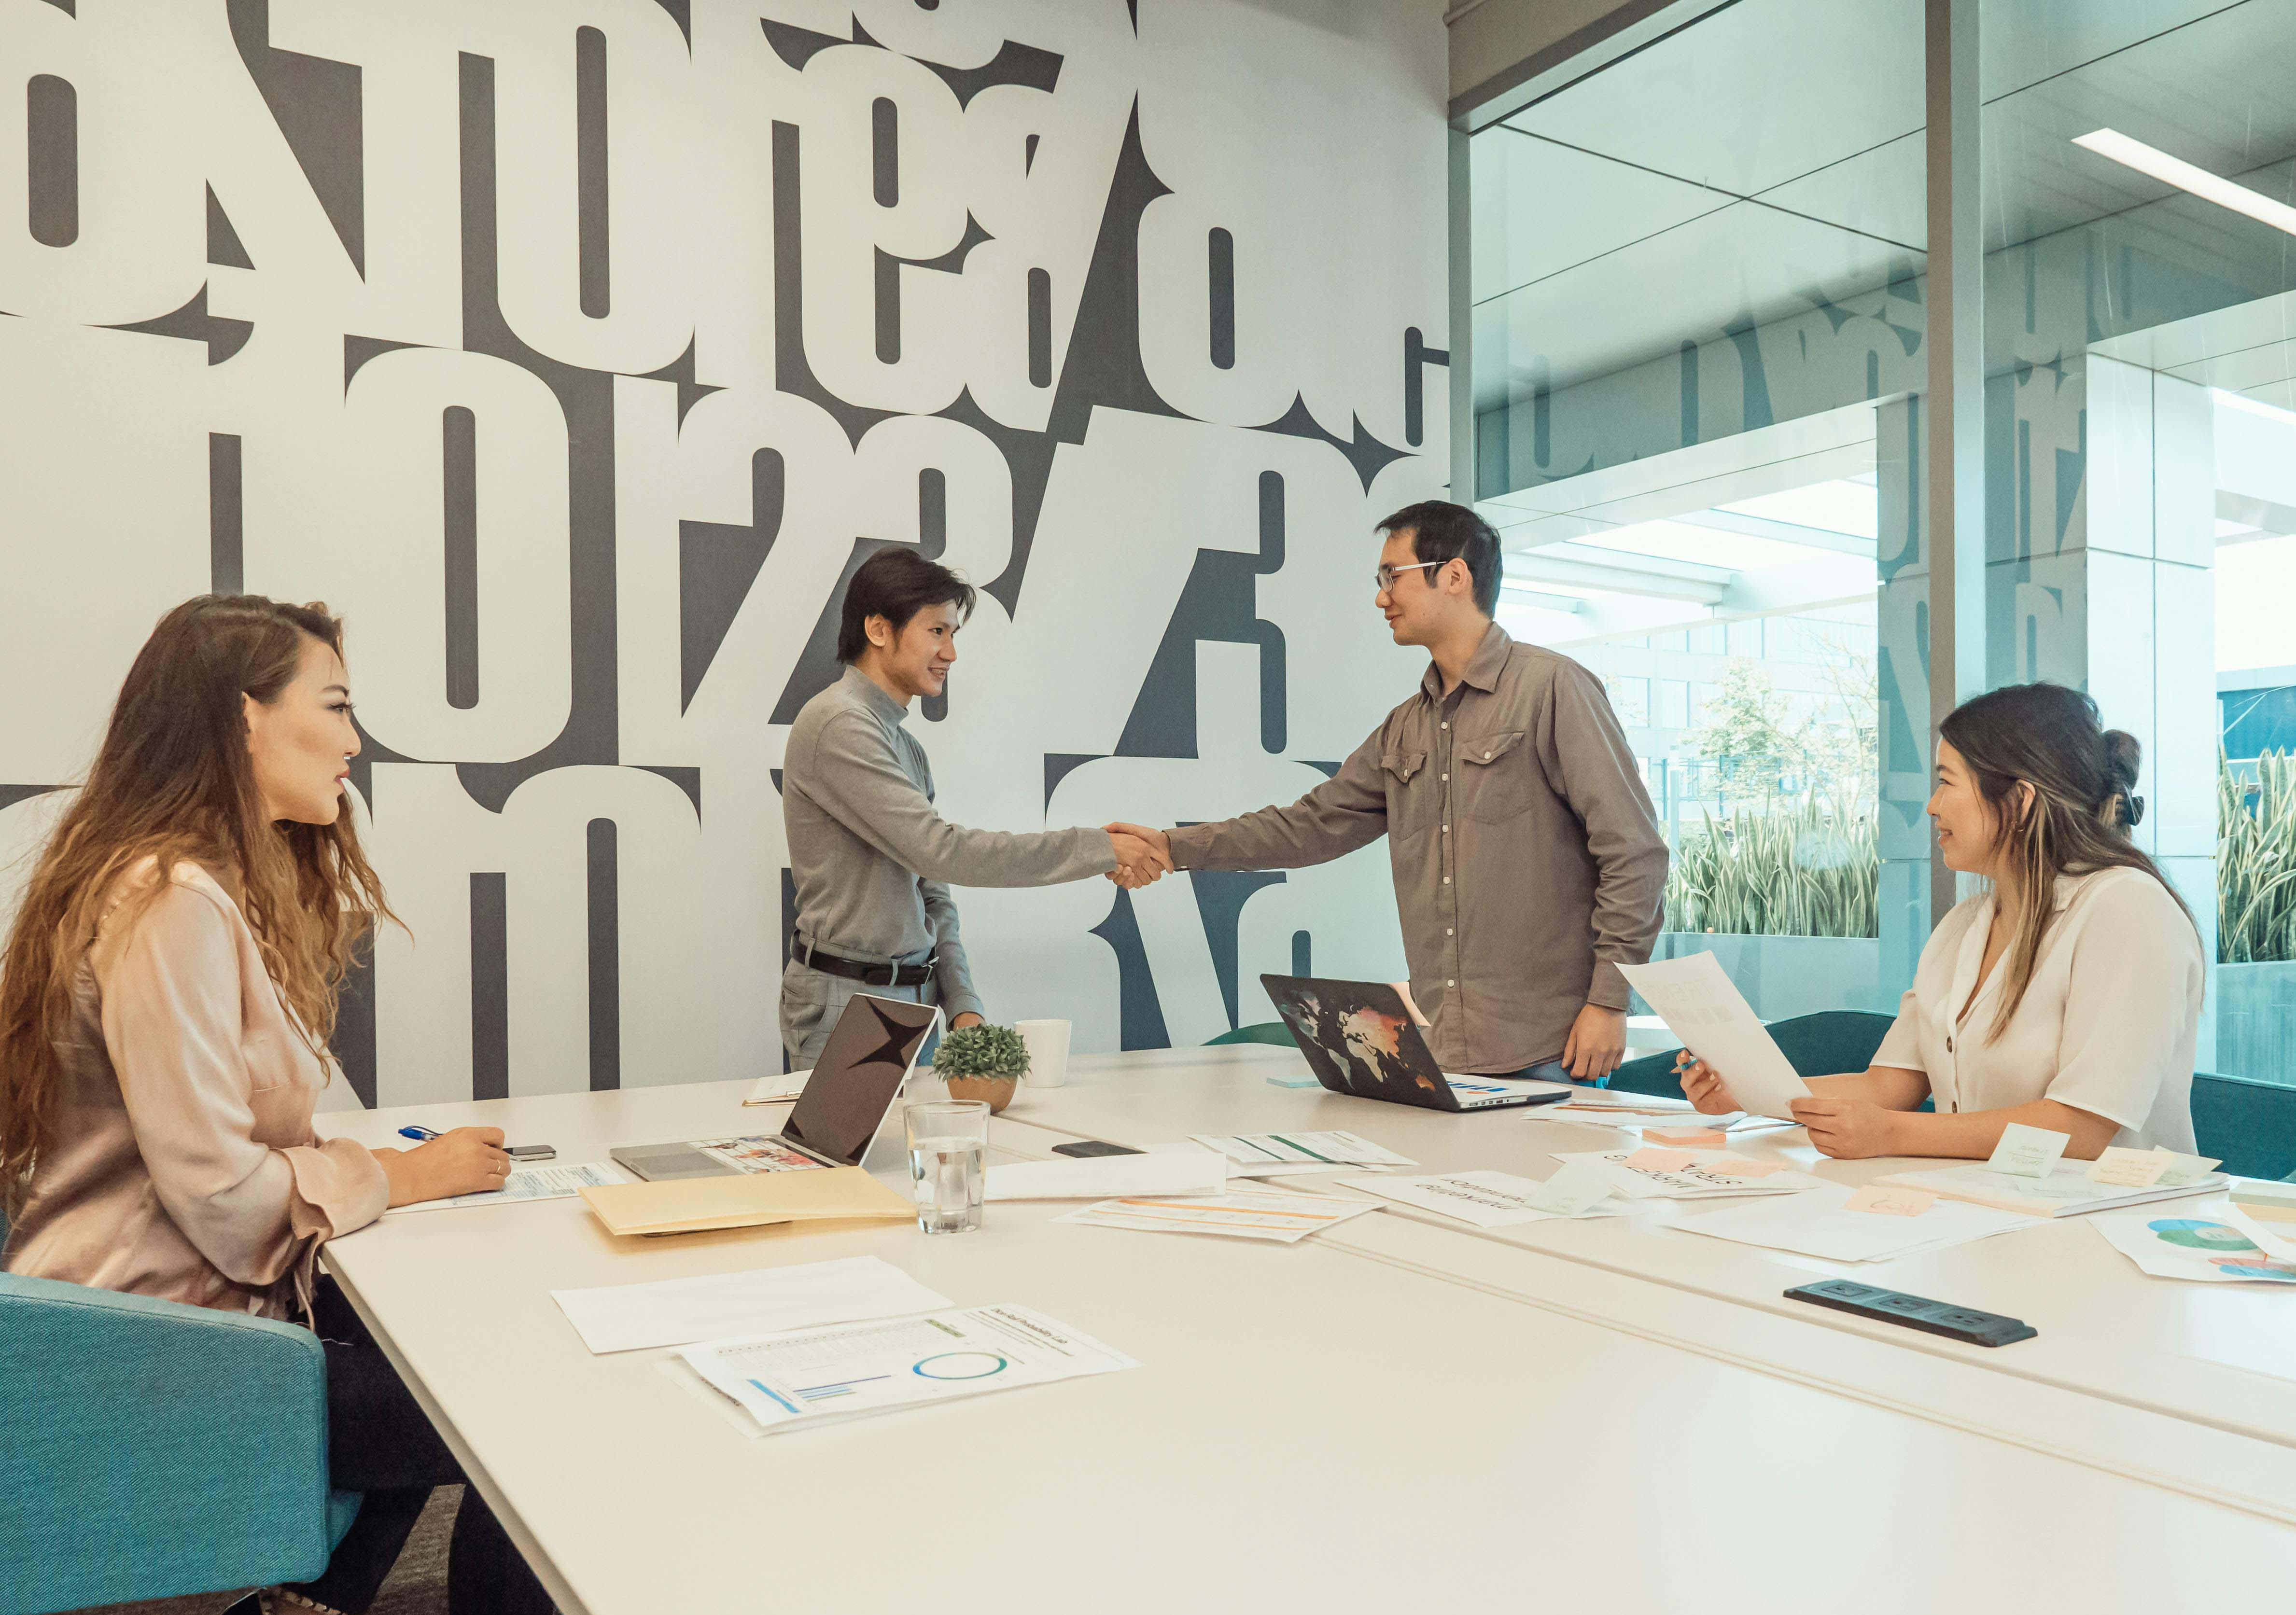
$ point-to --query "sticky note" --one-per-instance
(1734, 1167)
(2026, 1152)
(1687, 1138)
(2186, 1169)
(1661, 1160)
(1574, 1189)
(1883, 1202)
(2126, 1168)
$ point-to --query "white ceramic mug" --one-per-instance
(1048, 1052)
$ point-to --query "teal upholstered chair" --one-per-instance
(1814, 1046)
(1265, 1032)
(2250, 1126)
(154, 1449)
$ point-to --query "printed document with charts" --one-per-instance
(820, 1376)
(1704, 1008)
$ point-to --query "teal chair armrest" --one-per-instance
(2250, 1124)
(155, 1449)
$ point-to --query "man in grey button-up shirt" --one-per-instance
(1528, 863)
(872, 858)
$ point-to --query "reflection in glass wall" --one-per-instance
(2139, 163)
(1697, 285)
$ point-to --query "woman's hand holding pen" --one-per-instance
(1701, 1085)
(466, 1160)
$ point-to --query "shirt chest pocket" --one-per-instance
(1495, 775)
(1410, 800)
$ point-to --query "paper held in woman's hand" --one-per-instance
(1704, 1008)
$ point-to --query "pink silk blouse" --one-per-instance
(184, 1164)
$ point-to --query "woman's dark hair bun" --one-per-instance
(2123, 757)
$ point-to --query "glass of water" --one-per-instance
(946, 1138)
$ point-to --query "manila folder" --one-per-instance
(743, 1199)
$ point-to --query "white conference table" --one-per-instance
(2218, 1357)
(1346, 1423)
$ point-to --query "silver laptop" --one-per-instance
(862, 1069)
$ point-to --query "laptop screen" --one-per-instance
(860, 1070)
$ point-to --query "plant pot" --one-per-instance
(996, 1092)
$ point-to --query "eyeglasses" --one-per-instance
(1385, 576)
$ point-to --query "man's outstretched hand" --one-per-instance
(1142, 856)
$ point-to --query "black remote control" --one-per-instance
(1915, 1312)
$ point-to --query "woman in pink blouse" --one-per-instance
(166, 1000)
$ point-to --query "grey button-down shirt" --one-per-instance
(874, 861)
(1528, 863)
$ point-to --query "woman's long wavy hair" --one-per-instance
(175, 781)
(2083, 805)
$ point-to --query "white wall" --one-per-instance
(708, 278)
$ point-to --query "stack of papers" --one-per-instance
(778, 1090)
(1285, 1154)
(1652, 1173)
(547, 1180)
(1500, 1200)
(820, 1376)
(2067, 1191)
(2205, 1246)
(1819, 1222)
(679, 1312)
(1285, 1219)
(1189, 1171)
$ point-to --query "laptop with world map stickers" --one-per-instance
(1360, 1039)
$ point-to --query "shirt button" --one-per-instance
(1487, 757)
(1450, 930)
(1450, 984)
(1447, 830)
(1447, 879)
(1446, 776)
(1442, 725)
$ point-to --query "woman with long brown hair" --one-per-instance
(166, 1000)
(2068, 995)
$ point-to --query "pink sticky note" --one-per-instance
(1743, 1169)
(1688, 1138)
(1890, 1202)
(1659, 1161)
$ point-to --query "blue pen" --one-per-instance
(422, 1133)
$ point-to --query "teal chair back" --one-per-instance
(1265, 1032)
(2250, 1126)
(1814, 1046)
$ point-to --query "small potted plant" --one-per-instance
(983, 1062)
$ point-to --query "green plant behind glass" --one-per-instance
(982, 1051)
(1802, 868)
(2255, 861)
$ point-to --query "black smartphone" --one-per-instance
(1091, 1146)
(531, 1151)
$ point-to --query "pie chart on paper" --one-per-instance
(962, 1365)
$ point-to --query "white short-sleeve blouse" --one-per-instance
(2107, 1025)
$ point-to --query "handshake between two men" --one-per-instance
(1142, 856)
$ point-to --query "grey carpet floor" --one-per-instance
(417, 1586)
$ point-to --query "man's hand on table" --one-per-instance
(1596, 1044)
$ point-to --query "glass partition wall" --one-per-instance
(1698, 347)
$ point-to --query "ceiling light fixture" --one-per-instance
(2175, 171)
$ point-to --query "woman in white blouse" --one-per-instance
(2068, 996)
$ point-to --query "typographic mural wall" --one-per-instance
(579, 350)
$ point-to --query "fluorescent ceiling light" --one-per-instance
(2175, 171)
(2253, 407)
(1839, 507)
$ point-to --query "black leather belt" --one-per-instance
(869, 975)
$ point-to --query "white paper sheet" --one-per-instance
(815, 1376)
(1483, 1200)
(782, 1089)
(1285, 1218)
(1704, 1008)
(2203, 1244)
(679, 1312)
(543, 1180)
(1699, 1180)
(1299, 1151)
(1192, 1171)
(1813, 1223)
